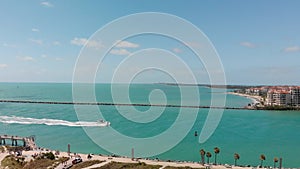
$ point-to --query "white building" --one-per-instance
(279, 98)
(295, 94)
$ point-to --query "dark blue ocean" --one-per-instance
(247, 132)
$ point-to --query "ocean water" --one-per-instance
(247, 132)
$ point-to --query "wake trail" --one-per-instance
(49, 122)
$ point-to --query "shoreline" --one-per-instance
(255, 99)
(109, 159)
(257, 103)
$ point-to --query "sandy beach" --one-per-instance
(108, 159)
(255, 99)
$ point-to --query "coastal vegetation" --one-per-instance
(12, 162)
(217, 151)
(202, 154)
(236, 157)
(208, 155)
(118, 165)
(40, 164)
(275, 161)
(262, 158)
(45, 161)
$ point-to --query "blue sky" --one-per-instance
(258, 41)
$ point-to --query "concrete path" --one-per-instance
(98, 165)
(61, 166)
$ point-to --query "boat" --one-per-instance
(102, 122)
(196, 133)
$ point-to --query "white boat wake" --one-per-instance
(51, 122)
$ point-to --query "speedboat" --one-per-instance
(102, 122)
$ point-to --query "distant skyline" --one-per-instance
(258, 41)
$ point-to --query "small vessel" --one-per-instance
(196, 133)
(102, 122)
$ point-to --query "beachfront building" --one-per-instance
(253, 91)
(279, 98)
(270, 98)
(295, 94)
(276, 95)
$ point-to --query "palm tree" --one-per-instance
(262, 158)
(275, 161)
(202, 154)
(236, 157)
(217, 151)
(208, 155)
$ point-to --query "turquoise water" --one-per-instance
(249, 133)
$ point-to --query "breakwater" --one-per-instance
(118, 104)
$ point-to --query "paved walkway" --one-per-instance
(61, 166)
(98, 165)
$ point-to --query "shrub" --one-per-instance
(50, 156)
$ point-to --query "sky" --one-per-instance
(258, 42)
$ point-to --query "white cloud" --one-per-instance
(9, 45)
(248, 44)
(177, 50)
(292, 49)
(2, 66)
(126, 44)
(56, 43)
(36, 41)
(88, 43)
(119, 52)
(44, 56)
(47, 4)
(79, 41)
(35, 30)
(26, 58)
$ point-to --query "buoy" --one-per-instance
(196, 133)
